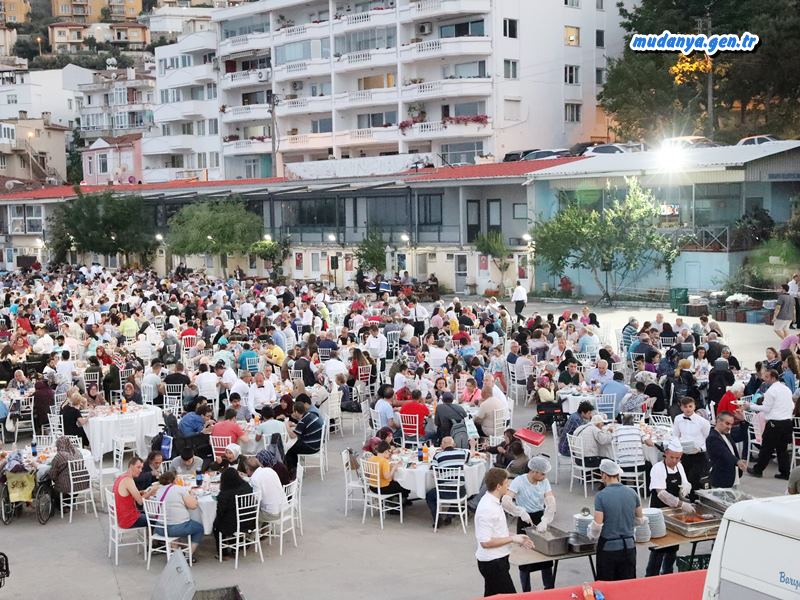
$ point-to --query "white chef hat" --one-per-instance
(675, 445)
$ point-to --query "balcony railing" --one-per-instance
(318, 234)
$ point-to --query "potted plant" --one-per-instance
(223, 108)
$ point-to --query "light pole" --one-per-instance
(332, 238)
(39, 41)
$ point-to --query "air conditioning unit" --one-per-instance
(425, 28)
(297, 85)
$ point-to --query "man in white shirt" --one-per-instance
(334, 366)
(418, 313)
(794, 292)
(437, 355)
(600, 374)
(777, 437)
(307, 320)
(262, 392)
(65, 369)
(266, 481)
(207, 383)
(691, 430)
(520, 299)
(377, 345)
(242, 387)
(492, 535)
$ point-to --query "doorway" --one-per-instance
(460, 273)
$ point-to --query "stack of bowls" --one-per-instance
(581, 522)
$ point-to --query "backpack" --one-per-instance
(460, 434)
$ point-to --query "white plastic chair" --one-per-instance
(607, 404)
(56, 425)
(80, 490)
(247, 509)
(117, 536)
(149, 394)
(410, 423)
(584, 474)
(559, 460)
(157, 532)
(451, 495)
(286, 520)
(45, 441)
(661, 420)
(318, 460)
(334, 411)
(375, 500)
(352, 482)
(218, 444)
(751, 416)
(25, 421)
(117, 459)
(630, 456)
(299, 475)
(796, 443)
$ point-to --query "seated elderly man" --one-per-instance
(596, 441)
(617, 387)
(600, 375)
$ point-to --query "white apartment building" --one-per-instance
(171, 22)
(54, 91)
(188, 112)
(458, 78)
(117, 102)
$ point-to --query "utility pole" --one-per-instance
(705, 23)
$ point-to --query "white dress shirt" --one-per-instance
(794, 289)
(691, 429)
(519, 295)
(490, 523)
(262, 396)
(436, 357)
(266, 481)
(778, 404)
(418, 313)
(376, 345)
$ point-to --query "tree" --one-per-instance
(274, 253)
(219, 227)
(616, 244)
(74, 162)
(371, 252)
(494, 246)
(105, 14)
(102, 223)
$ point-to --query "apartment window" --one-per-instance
(471, 69)
(261, 62)
(251, 170)
(211, 91)
(62, 33)
(462, 152)
(187, 129)
(213, 159)
(600, 76)
(572, 74)
(324, 125)
(26, 219)
(213, 127)
(494, 216)
(380, 119)
(572, 112)
(165, 129)
(572, 3)
(510, 28)
(325, 47)
(102, 163)
(65, 9)
(164, 95)
(512, 109)
(69, 103)
(600, 5)
(90, 165)
(511, 69)
(3, 161)
(519, 210)
(464, 109)
(175, 95)
(202, 160)
(324, 88)
(368, 39)
(186, 60)
(466, 29)
(293, 52)
(11, 99)
(197, 93)
(120, 96)
(200, 128)
(162, 66)
(600, 38)
(429, 209)
(572, 35)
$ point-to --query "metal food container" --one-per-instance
(721, 499)
(708, 526)
(581, 543)
(551, 542)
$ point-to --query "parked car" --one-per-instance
(581, 147)
(517, 155)
(755, 140)
(614, 149)
(689, 141)
(536, 155)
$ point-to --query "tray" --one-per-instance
(550, 543)
(581, 543)
(690, 530)
(720, 499)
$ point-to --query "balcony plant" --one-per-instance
(231, 138)
(482, 120)
(223, 108)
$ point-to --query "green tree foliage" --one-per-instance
(371, 252)
(753, 91)
(105, 14)
(494, 246)
(162, 41)
(225, 227)
(74, 162)
(622, 239)
(101, 223)
(86, 60)
(273, 252)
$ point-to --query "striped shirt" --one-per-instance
(451, 458)
(309, 430)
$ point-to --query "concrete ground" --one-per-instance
(338, 557)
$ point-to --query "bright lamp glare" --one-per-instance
(671, 158)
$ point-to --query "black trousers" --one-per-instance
(776, 438)
(496, 577)
(796, 321)
(615, 565)
(392, 488)
(526, 570)
(294, 451)
(519, 306)
(697, 468)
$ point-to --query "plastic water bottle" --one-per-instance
(199, 478)
(124, 405)
(419, 454)
(33, 447)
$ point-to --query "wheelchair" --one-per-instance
(16, 492)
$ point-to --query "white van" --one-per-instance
(757, 552)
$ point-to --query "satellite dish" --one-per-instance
(11, 183)
(131, 179)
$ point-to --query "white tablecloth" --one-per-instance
(102, 430)
(570, 402)
(91, 467)
(205, 512)
(420, 478)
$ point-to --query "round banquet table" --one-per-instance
(206, 510)
(570, 400)
(419, 479)
(101, 430)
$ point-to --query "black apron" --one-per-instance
(674, 481)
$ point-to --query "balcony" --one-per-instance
(198, 41)
(242, 79)
(187, 76)
(446, 129)
(306, 104)
(169, 144)
(313, 67)
(431, 9)
(307, 141)
(183, 111)
(364, 20)
(439, 48)
(448, 88)
(252, 42)
(179, 173)
(246, 147)
(251, 112)
(368, 136)
(304, 31)
(366, 97)
(366, 59)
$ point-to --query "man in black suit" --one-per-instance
(713, 349)
(726, 465)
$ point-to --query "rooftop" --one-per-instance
(490, 170)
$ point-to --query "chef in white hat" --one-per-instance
(668, 488)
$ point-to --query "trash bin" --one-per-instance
(176, 583)
(678, 296)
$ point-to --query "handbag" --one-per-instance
(472, 429)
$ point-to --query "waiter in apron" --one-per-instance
(418, 315)
(617, 510)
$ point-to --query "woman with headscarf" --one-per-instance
(59, 467)
(42, 401)
(229, 458)
(231, 485)
(93, 395)
(269, 458)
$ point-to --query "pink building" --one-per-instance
(113, 159)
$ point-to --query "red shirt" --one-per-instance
(230, 429)
(462, 334)
(189, 331)
(127, 512)
(726, 403)
(415, 408)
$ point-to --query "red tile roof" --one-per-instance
(67, 191)
(490, 170)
